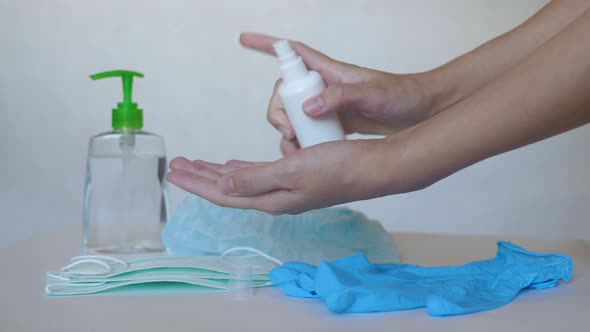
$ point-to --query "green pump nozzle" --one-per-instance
(126, 115)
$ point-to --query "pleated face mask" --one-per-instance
(93, 274)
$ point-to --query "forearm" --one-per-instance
(546, 94)
(458, 79)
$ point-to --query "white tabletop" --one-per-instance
(24, 307)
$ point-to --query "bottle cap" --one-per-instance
(127, 114)
(291, 65)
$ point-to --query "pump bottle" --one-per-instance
(299, 84)
(125, 203)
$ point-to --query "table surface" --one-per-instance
(24, 307)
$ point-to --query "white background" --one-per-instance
(207, 96)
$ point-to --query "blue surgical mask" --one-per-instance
(199, 227)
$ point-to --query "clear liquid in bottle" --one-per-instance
(125, 205)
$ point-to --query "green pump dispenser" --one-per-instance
(127, 115)
(125, 201)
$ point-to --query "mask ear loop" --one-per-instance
(106, 258)
(56, 276)
(51, 289)
(256, 251)
(97, 260)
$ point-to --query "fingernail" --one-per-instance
(170, 177)
(313, 106)
(226, 185)
(175, 162)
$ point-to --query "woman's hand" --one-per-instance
(367, 101)
(319, 176)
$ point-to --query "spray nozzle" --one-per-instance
(284, 51)
(127, 114)
(291, 64)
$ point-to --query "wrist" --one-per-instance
(390, 170)
(408, 162)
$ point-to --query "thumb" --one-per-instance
(250, 181)
(339, 97)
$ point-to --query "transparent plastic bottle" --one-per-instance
(125, 203)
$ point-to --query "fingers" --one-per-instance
(207, 188)
(289, 146)
(362, 97)
(221, 168)
(271, 198)
(276, 114)
(243, 177)
(313, 59)
(197, 168)
(332, 99)
(258, 42)
(242, 163)
(251, 181)
(191, 182)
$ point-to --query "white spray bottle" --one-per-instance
(299, 85)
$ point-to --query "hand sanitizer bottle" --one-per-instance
(300, 84)
(125, 205)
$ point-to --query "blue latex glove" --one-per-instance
(353, 284)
